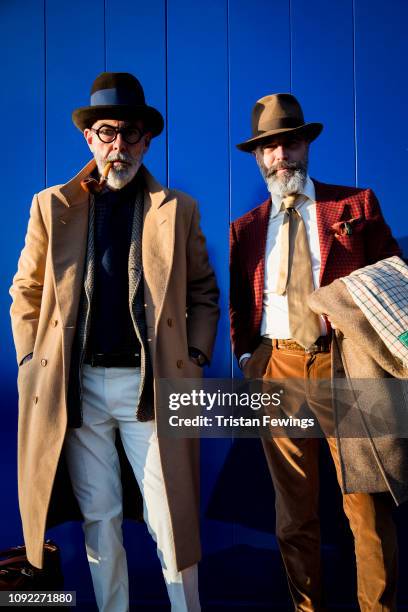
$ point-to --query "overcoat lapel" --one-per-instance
(70, 212)
(157, 245)
(328, 211)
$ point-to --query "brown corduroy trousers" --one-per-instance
(293, 464)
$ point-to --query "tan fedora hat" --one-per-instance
(278, 114)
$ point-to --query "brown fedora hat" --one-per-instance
(118, 95)
(278, 114)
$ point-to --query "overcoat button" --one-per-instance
(44, 362)
(54, 323)
(170, 322)
(35, 400)
(180, 363)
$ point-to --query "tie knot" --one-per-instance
(289, 201)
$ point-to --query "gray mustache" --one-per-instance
(120, 157)
(284, 166)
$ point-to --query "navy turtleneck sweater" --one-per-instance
(112, 328)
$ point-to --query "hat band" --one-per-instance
(113, 96)
(281, 123)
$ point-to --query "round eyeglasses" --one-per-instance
(108, 134)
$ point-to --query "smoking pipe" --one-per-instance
(91, 185)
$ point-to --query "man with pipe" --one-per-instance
(113, 291)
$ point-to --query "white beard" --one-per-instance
(290, 182)
(118, 177)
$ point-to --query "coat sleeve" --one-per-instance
(202, 291)
(240, 300)
(27, 288)
(380, 242)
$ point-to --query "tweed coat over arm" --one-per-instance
(372, 457)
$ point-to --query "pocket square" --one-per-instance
(348, 227)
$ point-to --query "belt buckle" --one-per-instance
(313, 348)
(95, 359)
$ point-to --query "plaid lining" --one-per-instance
(381, 293)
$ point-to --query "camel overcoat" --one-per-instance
(181, 297)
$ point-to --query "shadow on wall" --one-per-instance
(403, 242)
(243, 495)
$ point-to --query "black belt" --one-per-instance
(113, 360)
(322, 344)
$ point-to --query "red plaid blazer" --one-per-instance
(369, 241)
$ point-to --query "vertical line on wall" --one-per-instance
(45, 89)
(229, 113)
(166, 66)
(229, 147)
(354, 93)
(104, 37)
(234, 523)
(290, 45)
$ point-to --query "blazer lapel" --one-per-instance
(328, 211)
(69, 244)
(258, 230)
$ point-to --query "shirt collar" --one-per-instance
(308, 191)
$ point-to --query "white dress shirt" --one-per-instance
(275, 314)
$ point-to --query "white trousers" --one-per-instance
(109, 403)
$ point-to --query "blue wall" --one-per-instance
(203, 63)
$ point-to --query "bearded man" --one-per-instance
(305, 235)
(113, 291)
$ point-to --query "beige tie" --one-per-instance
(295, 275)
